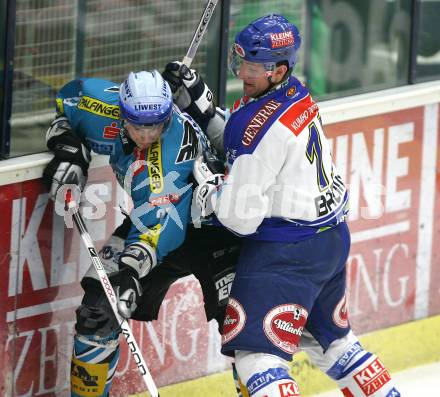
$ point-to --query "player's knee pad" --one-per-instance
(357, 372)
(99, 321)
(265, 375)
(325, 360)
(94, 362)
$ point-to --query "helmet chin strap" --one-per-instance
(128, 144)
(272, 85)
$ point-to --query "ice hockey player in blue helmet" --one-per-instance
(146, 105)
(260, 49)
(151, 146)
(284, 195)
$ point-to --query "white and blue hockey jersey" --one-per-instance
(281, 183)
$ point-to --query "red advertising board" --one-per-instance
(390, 164)
(43, 262)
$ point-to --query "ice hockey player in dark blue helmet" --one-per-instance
(262, 49)
(284, 196)
(270, 41)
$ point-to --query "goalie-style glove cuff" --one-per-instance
(206, 194)
(191, 94)
(199, 92)
(208, 184)
(207, 167)
(57, 128)
(66, 146)
(59, 173)
(140, 257)
(128, 292)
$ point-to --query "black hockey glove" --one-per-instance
(213, 162)
(135, 262)
(191, 94)
(129, 291)
(71, 162)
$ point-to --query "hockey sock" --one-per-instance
(94, 362)
(359, 373)
(266, 375)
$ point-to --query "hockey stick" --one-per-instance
(102, 274)
(200, 31)
(111, 296)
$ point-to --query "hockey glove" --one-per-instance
(135, 262)
(209, 177)
(71, 161)
(194, 96)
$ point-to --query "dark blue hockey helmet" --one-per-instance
(267, 40)
(145, 99)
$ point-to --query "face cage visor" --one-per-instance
(244, 69)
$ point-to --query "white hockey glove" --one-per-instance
(135, 262)
(71, 161)
(191, 94)
(209, 178)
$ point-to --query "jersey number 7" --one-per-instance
(314, 153)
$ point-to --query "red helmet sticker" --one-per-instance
(235, 319)
(340, 314)
(239, 50)
(284, 324)
(283, 39)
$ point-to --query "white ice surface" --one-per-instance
(418, 381)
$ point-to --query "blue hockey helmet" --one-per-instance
(145, 99)
(267, 40)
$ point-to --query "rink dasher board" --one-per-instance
(333, 111)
